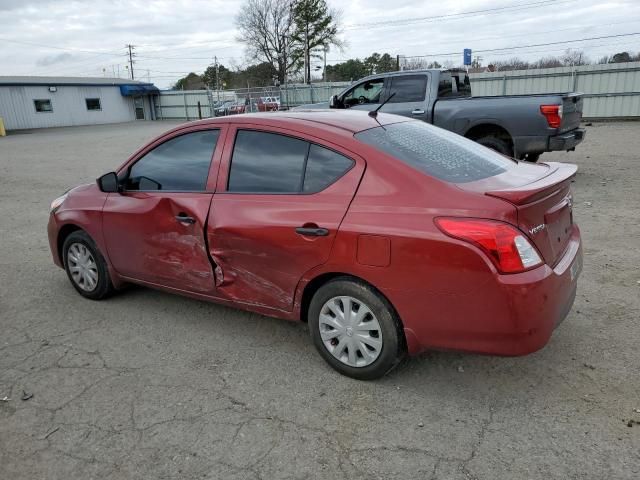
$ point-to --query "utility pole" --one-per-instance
(324, 69)
(307, 56)
(131, 55)
(215, 59)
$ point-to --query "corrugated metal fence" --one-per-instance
(187, 104)
(610, 91)
(194, 104)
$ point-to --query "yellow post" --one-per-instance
(2, 130)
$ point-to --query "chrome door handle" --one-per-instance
(417, 111)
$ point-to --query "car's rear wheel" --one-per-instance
(497, 144)
(86, 268)
(355, 329)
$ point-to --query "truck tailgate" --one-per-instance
(571, 111)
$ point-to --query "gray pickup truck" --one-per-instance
(520, 126)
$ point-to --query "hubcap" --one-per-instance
(82, 267)
(350, 331)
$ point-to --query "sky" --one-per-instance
(173, 38)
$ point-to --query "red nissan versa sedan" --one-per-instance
(387, 235)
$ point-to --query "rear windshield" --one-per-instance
(436, 152)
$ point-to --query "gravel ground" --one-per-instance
(151, 385)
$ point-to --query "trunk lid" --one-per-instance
(542, 197)
(571, 112)
(545, 209)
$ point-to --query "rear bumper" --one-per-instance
(540, 144)
(568, 140)
(510, 315)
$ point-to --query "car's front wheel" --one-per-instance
(355, 329)
(86, 267)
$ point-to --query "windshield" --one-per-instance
(436, 152)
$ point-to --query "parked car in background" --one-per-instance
(237, 107)
(268, 104)
(520, 126)
(387, 235)
(223, 109)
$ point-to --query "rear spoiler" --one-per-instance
(558, 175)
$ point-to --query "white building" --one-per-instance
(38, 102)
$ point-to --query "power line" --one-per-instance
(488, 50)
(492, 11)
(97, 52)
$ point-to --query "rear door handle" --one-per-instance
(312, 231)
(417, 111)
(184, 218)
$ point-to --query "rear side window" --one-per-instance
(265, 162)
(436, 152)
(324, 167)
(408, 88)
(445, 85)
(179, 164)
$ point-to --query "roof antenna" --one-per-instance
(374, 113)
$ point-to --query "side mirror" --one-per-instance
(333, 103)
(108, 182)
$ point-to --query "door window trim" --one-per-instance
(124, 172)
(239, 128)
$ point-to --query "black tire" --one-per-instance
(497, 144)
(393, 341)
(104, 286)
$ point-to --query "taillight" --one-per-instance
(553, 114)
(505, 245)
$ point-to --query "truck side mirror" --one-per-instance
(108, 182)
(333, 102)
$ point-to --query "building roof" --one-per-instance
(72, 81)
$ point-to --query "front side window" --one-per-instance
(179, 164)
(436, 152)
(265, 162)
(408, 88)
(93, 103)
(43, 106)
(366, 92)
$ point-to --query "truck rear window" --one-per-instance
(436, 152)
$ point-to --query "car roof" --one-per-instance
(352, 121)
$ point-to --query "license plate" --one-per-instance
(576, 268)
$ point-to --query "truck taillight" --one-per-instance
(553, 114)
(505, 245)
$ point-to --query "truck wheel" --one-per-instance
(532, 157)
(497, 144)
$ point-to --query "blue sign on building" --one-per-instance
(467, 56)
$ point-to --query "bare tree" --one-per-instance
(547, 62)
(574, 58)
(514, 63)
(265, 27)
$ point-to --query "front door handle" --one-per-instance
(184, 218)
(417, 111)
(312, 231)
